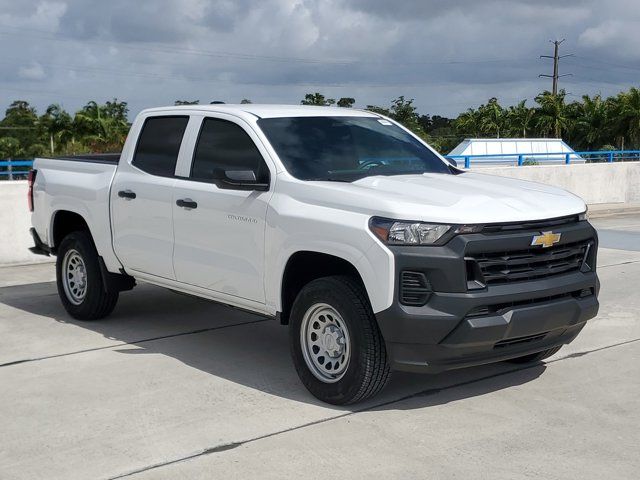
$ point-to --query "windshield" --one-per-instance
(347, 148)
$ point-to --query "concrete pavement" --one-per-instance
(175, 387)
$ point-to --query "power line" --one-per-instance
(46, 35)
(556, 58)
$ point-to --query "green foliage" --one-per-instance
(590, 123)
(95, 128)
(402, 111)
(317, 99)
(346, 102)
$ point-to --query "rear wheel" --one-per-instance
(80, 283)
(337, 348)
(536, 357)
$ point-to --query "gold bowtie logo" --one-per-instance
(545, 240)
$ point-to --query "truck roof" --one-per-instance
(269, 110)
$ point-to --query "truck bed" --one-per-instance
(78, 184)
(110, 158)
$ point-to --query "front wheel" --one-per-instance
(337, 348)
(80, 283)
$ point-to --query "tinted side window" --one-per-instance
(223, 145)
(159, 144)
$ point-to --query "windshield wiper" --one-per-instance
(331, 179)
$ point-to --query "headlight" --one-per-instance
(583, 216)
(394, 232)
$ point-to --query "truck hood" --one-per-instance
(465, 198)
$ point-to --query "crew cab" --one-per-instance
(377, 252)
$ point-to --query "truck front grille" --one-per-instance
(532, 263)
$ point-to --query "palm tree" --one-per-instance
(492, 117)
(592, 122)
(552, 115)
(520, 118)
(629, 116)
(100, 129)
(57, 125)
(469, 123)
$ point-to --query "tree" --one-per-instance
(492, 117)
(379, 110)
(629, 116)
(103, 127)
(21, 122)
(346, 102)
(552, 115)
(186, 102)
(57, 126)
(10, 148)
(404, 112)
(317, 99)
(245, 101)
(592, 124)
(468, 124)
(519, 119)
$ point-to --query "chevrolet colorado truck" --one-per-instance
(377, 252)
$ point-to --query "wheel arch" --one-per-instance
(63, 222)
(305, 266)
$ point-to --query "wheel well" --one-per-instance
(64, 223)
(302, 268)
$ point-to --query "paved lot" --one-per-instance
(173, 387)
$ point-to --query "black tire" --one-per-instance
(97, 302)
(368, 368)
(536, 357)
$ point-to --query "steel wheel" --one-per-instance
(74, 278)
(325, 342)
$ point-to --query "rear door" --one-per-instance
(219, 233)
(141, 198)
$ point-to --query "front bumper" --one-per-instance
(456, 329)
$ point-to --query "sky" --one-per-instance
(448, 55)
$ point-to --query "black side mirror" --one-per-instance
(241, 180)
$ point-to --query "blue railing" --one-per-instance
(550, 157)
(8, 168)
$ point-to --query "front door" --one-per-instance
(219, 233)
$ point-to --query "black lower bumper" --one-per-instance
(39, 247)
(476, 326)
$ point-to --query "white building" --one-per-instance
(508, 150)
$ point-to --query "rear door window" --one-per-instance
(159, 144)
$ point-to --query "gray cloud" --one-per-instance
(448, 55)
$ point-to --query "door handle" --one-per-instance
(186, 203)
(128, 194)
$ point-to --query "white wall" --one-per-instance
(15, 221)
(594, 182)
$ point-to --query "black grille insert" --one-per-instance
(520, 340)
(531, 263)
(499, 308)
(532, 225)
(415, 289)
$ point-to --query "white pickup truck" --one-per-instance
(378, 253)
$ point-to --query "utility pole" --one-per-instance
(556, 58)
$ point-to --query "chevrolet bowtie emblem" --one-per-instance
(545, 240)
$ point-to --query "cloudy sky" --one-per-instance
(446, 54)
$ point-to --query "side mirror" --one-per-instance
(241, 180)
